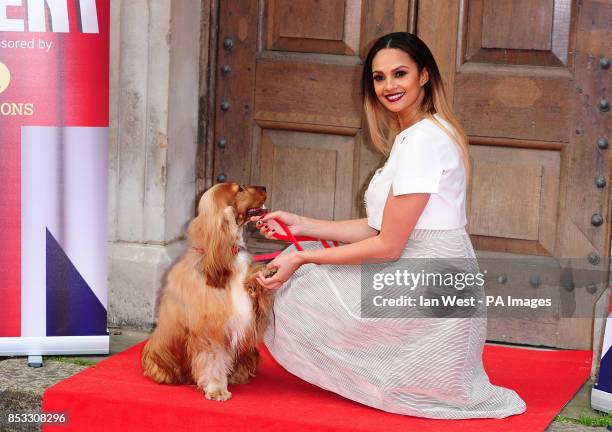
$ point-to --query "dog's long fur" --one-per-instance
(212, 311)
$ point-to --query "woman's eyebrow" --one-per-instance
(392, 70)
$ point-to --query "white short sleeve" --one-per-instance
(418, 164)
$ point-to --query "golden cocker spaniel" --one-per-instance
(212, 312)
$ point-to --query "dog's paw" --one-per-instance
(220, 395)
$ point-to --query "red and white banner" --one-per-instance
(54, 75)
(601, 393)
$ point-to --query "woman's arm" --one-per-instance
(345, 231)
(400, 216)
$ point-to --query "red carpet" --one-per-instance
(115, 396)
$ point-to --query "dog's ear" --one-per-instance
(215, 231)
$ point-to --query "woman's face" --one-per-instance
(397, 82)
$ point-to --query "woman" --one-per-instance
(429, 366)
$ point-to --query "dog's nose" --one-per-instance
(263, 188)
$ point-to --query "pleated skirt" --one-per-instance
(426, 367)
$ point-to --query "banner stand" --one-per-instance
(35, 361)
(54, 118)
(69, 345)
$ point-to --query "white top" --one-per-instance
(423, 159)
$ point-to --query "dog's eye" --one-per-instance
(240, 188)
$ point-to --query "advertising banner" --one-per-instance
(601, 393)
(54, 75)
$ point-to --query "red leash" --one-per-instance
(289, 237)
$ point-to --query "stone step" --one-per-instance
(22, 387)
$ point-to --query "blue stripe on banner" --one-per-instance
(604, 381)
(72, 307)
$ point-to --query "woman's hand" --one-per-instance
(284, 265)
(267, 226)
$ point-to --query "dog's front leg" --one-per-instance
(210, 371)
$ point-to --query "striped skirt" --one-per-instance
(425, 367)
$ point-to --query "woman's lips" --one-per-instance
(394, 97)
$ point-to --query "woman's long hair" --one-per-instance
(383, 124)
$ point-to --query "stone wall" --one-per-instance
(155, 76)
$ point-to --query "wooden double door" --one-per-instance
(527, 80)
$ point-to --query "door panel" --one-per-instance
(521, 32)
(292, 88)
(500, 29)
(513, 104)
(491, 205)
(515, 196)
(319, 165)
(330, 26)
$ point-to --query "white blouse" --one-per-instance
(423, 159)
